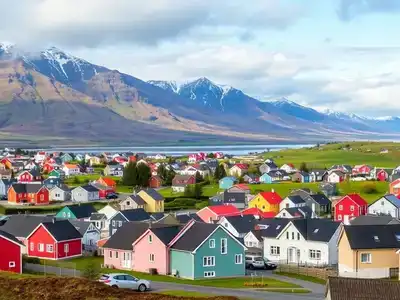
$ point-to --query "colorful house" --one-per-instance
(238, 170)
(35, 193)
(154, 200)
(394, 187)
(350, 207)
(78, 212)
(210, 214)
(383, 174)
(5, 184)
(301, 176)
(10, 253)
(151, 249)
(55, 240)
(103, 189)
(58, 173)
(71, 169)
(108, 182)
(361, 170)
(266, 202)
(29, 176)
(227, 182)
(180, 182)
(155, 182)
(204, 250)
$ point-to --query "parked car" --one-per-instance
(269, 265)
(112, 196)
(125, 281)
(4, 197)
(255, 262)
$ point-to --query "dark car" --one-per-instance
(4, 197)
(269, 265)
(112, 196)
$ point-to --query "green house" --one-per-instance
(57, 174)
(205, 250)
(79, 212)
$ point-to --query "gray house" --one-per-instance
(5, 185)
(132, 202)
(60, 193)
(5, 174)
(85, 194)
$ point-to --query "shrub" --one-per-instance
(369, 188)
(256, 284)
(91, 271)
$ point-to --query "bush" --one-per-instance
(91, 271)
(30, 260)
(256, 284)
(369, 188)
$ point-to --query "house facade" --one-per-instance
(180, 182)
(349, 207)
(71, 169)
(35, 193)
(210, 214)
(386, 205)
(5, 184)
(85, 193)
(10, 253)
(266, 202)
(154, 201)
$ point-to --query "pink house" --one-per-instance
(210, 214)
(151, 249)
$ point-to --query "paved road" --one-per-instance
(317, 290)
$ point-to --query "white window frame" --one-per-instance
(11, 264)
(208, 261)
(119, 223)
(41, 247)
(49, 248)
(340, 206)
(150, 238)
(211, 243)
(113, 223)
(351, 207)
(369, 256)
(314, 254)
(209, 274)
(224, 250)
(339, 217)
(152, 258)
(111, 254)
(238, 259)
(66, 248)
(32, 246)
(275, 250)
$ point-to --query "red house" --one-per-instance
(48, 167)
(210, 214)
(10, 253)
(349, 207)
(258, 214)
(29, 176)
(54, 240)
(35, 193)
(103, 190)
(361, 170)
(108, 182)
(383, 175)
(155, 181)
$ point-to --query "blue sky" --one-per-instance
(337, 54)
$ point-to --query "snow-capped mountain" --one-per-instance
(296, 110)
(171, 86)
(6, 50)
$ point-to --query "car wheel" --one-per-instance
(251, 267)
(114, 286)
(142, 288)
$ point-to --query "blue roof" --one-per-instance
(229, 177)
(393, 199)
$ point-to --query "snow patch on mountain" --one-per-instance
(166, 85)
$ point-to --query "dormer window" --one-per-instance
(376, 238)
(277, 227)
(316, 230)
(398, 237)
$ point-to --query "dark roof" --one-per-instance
(27, 187)
(318, 171)
(303, 212)
(154, 194)
(296, 199)
(228, 198)
(124, 237)
(373, 220)
(166, 234)
(242, 224)
(185, 218)
(62, 230)
(23, 225)
(138, 214)
(343, 288)
(90, 188)
(373, 236)
(137, 199)
(278, 173)
(319, 230)
(82, 211)
(257, 234)
(273, 227)
(10, 237)
(8, 181)
(97, 216)
(81, 226)
(321, 199)
(194, 236)
(157, 216)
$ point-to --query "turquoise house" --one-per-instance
(265, 178)
(76, 212)
(204, 250)
(227, 182)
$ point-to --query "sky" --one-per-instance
(336, 54)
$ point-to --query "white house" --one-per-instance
(238, 226)
(336, 177)
(305, 241)
(90, 234)
(288, 168)
(70, 169)
(386, 205)
(253, 239)
(85, 193)
(109, 211)
(60, 193)
(292, 201)
(40, 156)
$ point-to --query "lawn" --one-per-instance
(285, 291)
(234, 283)
(302, 277)
(186, 294)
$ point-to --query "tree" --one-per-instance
(199, 178)
(91, 270)
(303, 167)
(76, 180)
(253, 170)
(143, 175)
(168, 179)
(219, 172)
(130, 175)
(188, 191)
(197, 191)
(210, 155)
(163, 173)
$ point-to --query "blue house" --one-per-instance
(66, 157)
(265, 178)
(5, 185)
(227, 182)
(129, 215)
(204, 250)
(301, 177)
(51, 182)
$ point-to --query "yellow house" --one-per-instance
(369, 251)
(266, 202)
(154, 201)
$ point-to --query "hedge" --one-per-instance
(13, 210)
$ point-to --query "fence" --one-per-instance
(66, 269)
(313, 271)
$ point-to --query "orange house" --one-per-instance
(7, 163)
(155, 181)
(394, 187)
(34, 193)
(108, 182)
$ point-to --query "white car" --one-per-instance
(125, 281)
(358, 179)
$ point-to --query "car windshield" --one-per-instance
(104, 277)
(258, 259)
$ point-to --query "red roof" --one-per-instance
(357, 199)
(225, 210)
(242, 166)
(108, 181)
(291, 165)
(257, 212)
(242, 186)
(271, 197)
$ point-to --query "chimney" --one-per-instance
(273, 190)
(150, 224)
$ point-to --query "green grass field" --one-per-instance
(302, 277)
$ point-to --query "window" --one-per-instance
(128, 203)
(120, 224)
(64, 214)
(208, 261)
(49, 248)
(275, 250)
(383, 203)
(151, 258)
(113, 223)
(298, 236)
(150, 238)
(366, 258)
(340, 207)
(66, 248)
(41, 247)
(69, 215)
(315, 254)
(11, 264)
(339, 217)
(292, 235)
(212, 243)
(32, 246)
(116, 254)
(224, 246)
(238, 259)
(352, 208)
(376, 238)
(287, 235)
(277, 227)
(110, 254)
(209, 274)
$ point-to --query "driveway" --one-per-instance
(317, 291)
